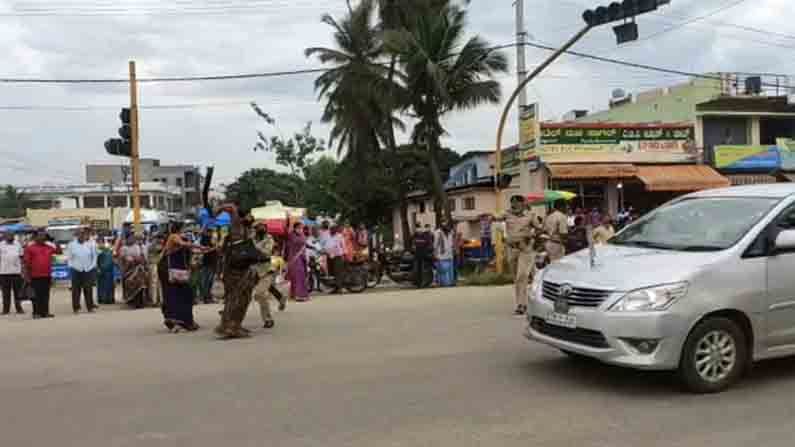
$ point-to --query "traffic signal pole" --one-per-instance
(134, 158)
(499, 249)
(625, 11)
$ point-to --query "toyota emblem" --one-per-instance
(565, 290)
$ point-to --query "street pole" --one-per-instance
(499, 246)
(521, 63)
(134, 158)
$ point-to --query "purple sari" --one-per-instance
(296, 266)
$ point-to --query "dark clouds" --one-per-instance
(273, 39)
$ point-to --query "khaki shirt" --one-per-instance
(602, 233)
(265, 247)
(521, 229)
(556, 225)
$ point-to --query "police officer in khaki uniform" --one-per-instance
(264, 290)
(521, 228)
(556, 227)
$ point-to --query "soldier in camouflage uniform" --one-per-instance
(522, 226)
(238, 284)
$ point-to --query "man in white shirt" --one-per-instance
(83, 265)
(11, 273)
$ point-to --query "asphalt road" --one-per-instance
(399, 368)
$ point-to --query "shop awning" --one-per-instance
(681, 178)
(751, 179)
(583, 171)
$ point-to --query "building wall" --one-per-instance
(40, 218)
(467, 219)
(673, 105)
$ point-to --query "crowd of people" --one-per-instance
(561, 231)
(177, 269)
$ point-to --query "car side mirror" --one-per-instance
(785, 241)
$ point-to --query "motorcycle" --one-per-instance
(355, 280)
(399, 267)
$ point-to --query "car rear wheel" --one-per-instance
(714, 356)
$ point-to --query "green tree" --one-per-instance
(355, 88)
(12, 202)
(442, 72)
(295, 153)
(256, 186)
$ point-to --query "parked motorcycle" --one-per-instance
(355, 281)
(399, 267)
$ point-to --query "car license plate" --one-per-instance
(563, 320)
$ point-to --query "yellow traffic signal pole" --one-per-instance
(134, 159)
(499, 246)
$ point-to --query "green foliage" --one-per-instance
(416, 62)
(295, 153)
(12, 203)
(256, 186)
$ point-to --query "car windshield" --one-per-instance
(698, 224)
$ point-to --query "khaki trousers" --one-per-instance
(263, 296)
(522, 262)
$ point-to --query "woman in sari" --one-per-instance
(177, 291)
(135, 273)
(295, 253)
(106, 285)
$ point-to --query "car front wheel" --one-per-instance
(714, 356)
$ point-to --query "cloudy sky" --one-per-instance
(48, 132)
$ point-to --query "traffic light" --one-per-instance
(121, 147)
(118, 147)
(621, 11)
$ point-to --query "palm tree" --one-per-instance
(442, 72)
(355, 87)
(358, 90)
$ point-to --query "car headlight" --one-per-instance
(651, 299)
(536, 284)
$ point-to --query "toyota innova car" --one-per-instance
(704, 285)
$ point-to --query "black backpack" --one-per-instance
(243, 254)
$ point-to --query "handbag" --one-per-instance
(177, 276)
(243, 254)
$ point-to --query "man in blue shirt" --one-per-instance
(83, 265)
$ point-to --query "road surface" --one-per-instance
(399, 368)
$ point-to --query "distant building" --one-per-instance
(470, 190)
(185, 177)
(105, 203)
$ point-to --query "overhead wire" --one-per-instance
(114, 9)
(537, 45)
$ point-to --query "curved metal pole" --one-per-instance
(498, 154)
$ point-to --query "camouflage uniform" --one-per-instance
(238, 287)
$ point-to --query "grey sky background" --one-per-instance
(39, 143)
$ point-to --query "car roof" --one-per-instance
(771, 190)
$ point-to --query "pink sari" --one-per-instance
(296, 266)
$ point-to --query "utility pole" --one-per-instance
(134, 158)
(625, 11)
(521, 68)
